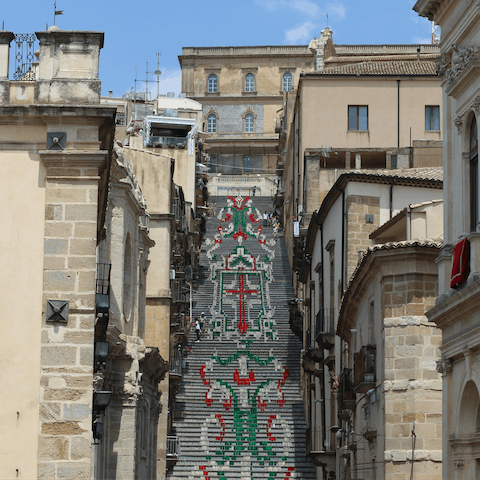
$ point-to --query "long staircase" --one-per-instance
(239, 411)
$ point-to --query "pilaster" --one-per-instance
(66, 379)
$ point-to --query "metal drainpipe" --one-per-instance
(409, 223)
(398, 112)
(391, 198)
(322, 386)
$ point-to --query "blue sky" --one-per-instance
(135, 29)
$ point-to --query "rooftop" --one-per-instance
(381, 67)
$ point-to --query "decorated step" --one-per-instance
(236, 371)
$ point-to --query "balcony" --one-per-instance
(278, 198)
(318, 451)
(296, 318)
(178, 291)
(280, 168)
(173, 451)
(364, 372)
(102, 299)
(167, 142)
(175, 370)
(325, 328)
(312, 355)
(346, 395)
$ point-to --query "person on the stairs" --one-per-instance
(265, 219)
(203, 319)
(197, 328)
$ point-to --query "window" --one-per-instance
(473, 176)
(212, 124)
(287, 85)
(248, 163)
(249, 120)
(432, 117)
(212, 164)
(357, 117)
(249, 82)
(120, 119)
(212, 84)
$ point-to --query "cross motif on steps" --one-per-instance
(242, 324)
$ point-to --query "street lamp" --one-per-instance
(190, 285)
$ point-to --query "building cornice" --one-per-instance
(427, 8)
(58, 110)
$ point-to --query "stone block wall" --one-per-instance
(412, 387)
(358, 230)
(65, 436)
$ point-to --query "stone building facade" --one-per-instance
(373, 206)
(362, 107)
(389, 391)
(241, 90)
(456, 310)
(81, 382)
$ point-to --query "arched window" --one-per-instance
(249, 82)
(127, 280)
(287, 82)
(473, 175)
(212, 123)
(212, 83)
(249, 120)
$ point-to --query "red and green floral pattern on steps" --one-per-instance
(241, 314)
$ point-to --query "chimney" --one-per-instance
(110, 93)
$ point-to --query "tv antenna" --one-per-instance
(435, 34)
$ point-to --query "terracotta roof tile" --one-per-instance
(425, 173)
(379, 58)
(391, 67)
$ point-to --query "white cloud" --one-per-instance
(305, 6)
(270, 5)
(170, 81)
(338, 8)
(422, 41)
(300, 33)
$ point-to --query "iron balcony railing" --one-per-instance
(102, 281)
(24, 56)
(346, 394)
(325, 321)
(102, 296)
(176, 363)
(316, 441)
(364, 371)
(178, 291)
(173, 447)
(175, 209)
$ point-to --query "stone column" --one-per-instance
(65, 433)
(358, 161)
(347, 160)
(5, 39)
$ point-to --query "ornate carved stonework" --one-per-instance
(476, 104)
(459, 123)
(98, 380)
(458, 464)
(444, 365)
(451, 65)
